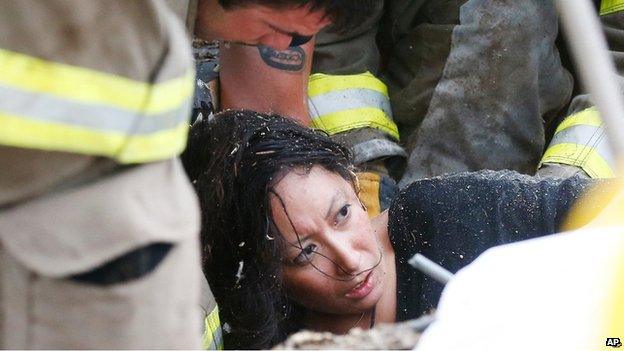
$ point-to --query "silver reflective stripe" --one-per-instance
(48, 108)
(587, 136)
(348, 99)
(213, 344)
(375, 148)
(217, 336)
(217, 339)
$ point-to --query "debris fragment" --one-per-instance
(239, 273)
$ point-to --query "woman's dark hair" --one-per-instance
(233, 161)
(345, 14)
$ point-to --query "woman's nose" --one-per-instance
(347, 256)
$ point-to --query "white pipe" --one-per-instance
(430, 268)
(594, 63)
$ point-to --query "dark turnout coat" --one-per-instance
(453, 219)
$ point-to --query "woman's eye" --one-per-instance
(306, 255)
(342, 213)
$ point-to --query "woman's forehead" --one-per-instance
(303, 200)
(317, 183)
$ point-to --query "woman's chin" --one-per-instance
(369, 294)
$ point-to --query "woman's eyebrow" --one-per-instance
(334, 199)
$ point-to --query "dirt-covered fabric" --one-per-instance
(452, 219)
(474, 84)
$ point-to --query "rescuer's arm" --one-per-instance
(579, 145)
(266, 80)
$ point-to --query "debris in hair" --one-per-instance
(234, 150)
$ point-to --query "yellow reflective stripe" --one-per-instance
(589, 117)
(45, 107)
(342, 121)
(319, 83)
(362, 105)
(581, 156)
(90, 86)
(212, 338)
(586, 137)
(27, 133)
(578, 141)
(611, 6)
(340, 100)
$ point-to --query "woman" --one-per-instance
(287, 243)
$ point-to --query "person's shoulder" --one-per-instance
(431, 191)
(424, 202)
(467, 178)
(461, 187)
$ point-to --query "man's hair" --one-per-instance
(233, 162)
(345, 14)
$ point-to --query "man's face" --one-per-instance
(256, 24)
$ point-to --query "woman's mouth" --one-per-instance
(362, 289)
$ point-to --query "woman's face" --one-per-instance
(332, 261)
